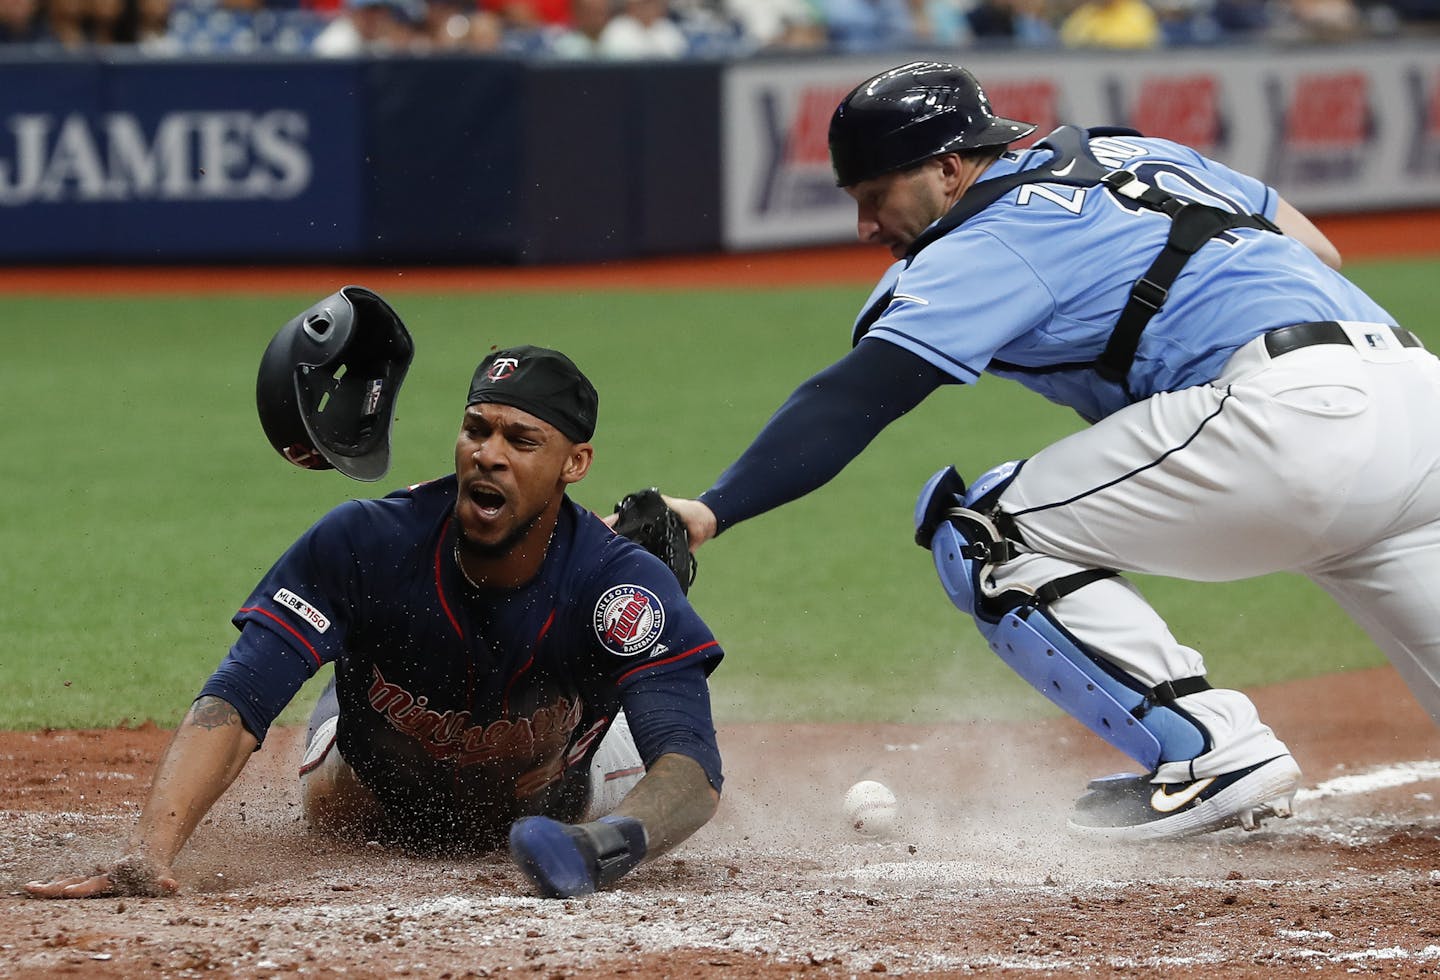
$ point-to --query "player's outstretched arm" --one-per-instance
(699, 519)
(670, 803)
(203, 758)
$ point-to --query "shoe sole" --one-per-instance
(1271, 790)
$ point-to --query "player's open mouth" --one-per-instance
(489, 502)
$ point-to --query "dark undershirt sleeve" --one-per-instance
(670, 712)
(823, 425)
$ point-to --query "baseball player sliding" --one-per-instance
(1253, 411)
(491, 639)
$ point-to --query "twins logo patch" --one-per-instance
(628, 620)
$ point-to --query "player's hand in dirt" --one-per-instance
(700, 522)
(131, 875)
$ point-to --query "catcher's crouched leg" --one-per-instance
(1190, 787)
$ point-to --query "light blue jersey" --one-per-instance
(1039, 278)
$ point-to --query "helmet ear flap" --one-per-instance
(329, 380)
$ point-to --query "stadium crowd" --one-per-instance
(632, 29)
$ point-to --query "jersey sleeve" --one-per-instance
(650, 649)
(669, 713)
(958, 320)
(294, 621)
(640, 622)
(258, 677)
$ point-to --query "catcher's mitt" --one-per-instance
(644, 518)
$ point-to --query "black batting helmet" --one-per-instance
(906, 115)
(328, 382)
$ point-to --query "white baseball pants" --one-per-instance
(1323, 461)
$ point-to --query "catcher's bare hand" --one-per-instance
(130, 876)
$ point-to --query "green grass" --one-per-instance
(142, 502)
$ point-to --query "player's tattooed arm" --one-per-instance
(674, 800)
(211, 712)
(203, 758)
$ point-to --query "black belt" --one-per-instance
(1298, 335)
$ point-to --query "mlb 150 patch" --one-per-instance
(303, 609)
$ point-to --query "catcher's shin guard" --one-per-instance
(965, 545)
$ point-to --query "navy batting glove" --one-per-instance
(565, 860)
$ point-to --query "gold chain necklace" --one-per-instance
(461, 565)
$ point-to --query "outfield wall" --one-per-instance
(494, 160)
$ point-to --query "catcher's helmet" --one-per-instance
(328, 383)
(906, 115)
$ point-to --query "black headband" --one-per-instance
(543, 382)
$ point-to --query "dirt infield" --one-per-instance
(980, 879)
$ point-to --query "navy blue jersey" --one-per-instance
(469, 707)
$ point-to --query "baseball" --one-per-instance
(870, 808)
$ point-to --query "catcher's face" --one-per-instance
(894, 208)
(512, 469)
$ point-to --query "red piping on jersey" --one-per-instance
(440, 589)
(505, 701)
(288, 628)
(667, 660)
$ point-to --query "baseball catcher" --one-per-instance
(1252, 411)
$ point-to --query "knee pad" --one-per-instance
(965, 545)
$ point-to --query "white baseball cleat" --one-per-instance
(1128, 807)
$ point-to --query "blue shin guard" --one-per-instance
(965, 545)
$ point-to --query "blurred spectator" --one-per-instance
(1239, 19)
(1023, 23)
(369, 26)
(1187, 22)
(529, 14)
(150, 29)
(941, 22)
(1304, 21)
(777, 24)
(21, 23)
(1119, 24)
(1422, 14)
(65, 21)
(582, 38)
(102, 20)
(643, 29)
(869, 25)
(456, 25)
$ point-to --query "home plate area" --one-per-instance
(978, 877)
